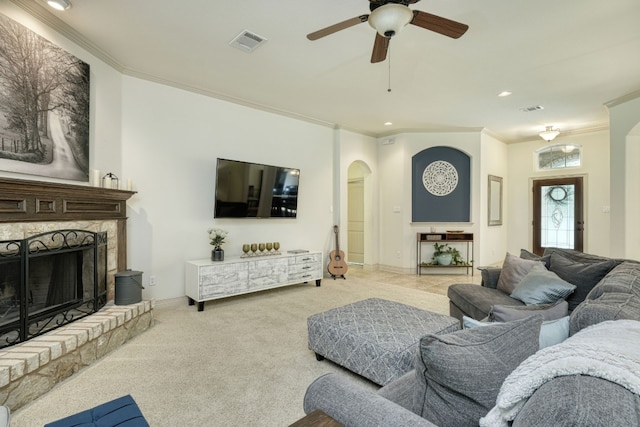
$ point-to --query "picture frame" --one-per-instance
(43, 132)
(494, 200)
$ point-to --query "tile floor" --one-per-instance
(434, 283)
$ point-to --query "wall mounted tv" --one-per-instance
(253, 190)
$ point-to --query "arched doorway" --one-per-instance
(357, 213)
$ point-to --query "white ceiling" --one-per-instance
(569, 56)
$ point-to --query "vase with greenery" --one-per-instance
(216, 239)
(446, 255)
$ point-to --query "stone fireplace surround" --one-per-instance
(30, 369)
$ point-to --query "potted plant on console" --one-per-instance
(446, 255)
(216, 239)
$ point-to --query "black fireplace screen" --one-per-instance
(49, 280)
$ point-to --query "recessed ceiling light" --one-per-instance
(388, 123)
(59, 4)
(504, 93)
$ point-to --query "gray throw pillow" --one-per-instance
(553, 311)
(541, 286)
(513, 270)
(525, 254)
(459, 374)
(585, 275)
(552, 332)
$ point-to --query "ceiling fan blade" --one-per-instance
(439, 24)
(337, 27)
(380, 47)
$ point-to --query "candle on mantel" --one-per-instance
(129, 185)
(106, 182)
(96, 178)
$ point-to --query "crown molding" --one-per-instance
(39, 12)
(624, 98)
(223, 97)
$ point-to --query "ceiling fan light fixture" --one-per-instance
(549, 133)
(389, 19)
(59, 4)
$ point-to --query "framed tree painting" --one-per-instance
(44, 106)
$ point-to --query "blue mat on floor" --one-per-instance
(121, 412)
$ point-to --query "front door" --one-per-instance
(558, 219)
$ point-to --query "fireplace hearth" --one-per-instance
(49, 280)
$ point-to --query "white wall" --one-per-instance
(492, 241)
(624, 117)
(171, 140)
(398, 233)
(595, 169)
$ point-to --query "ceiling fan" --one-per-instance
(388, 17)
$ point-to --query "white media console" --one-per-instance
(208, 280)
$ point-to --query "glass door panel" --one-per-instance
(557, 214)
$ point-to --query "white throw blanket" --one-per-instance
(608, 350)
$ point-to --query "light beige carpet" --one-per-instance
(243, 361)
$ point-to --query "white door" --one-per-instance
(355, 233)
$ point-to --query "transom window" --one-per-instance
(559, 156)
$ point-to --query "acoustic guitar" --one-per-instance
(337, 265)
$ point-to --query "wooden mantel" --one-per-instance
(36, 201)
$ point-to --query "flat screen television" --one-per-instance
(254, 190)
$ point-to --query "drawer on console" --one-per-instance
(267, 267)
(305, 275)
(223, 272)
(306, 258)
(223, 289)
(305, 267)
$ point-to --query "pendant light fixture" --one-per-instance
(549, 133)
(389, 19)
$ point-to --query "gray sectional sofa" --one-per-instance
(471, 376)
(581, 269)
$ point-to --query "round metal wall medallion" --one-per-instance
(440, 178)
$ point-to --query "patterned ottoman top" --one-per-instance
(389, 324)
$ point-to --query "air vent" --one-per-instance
(530, 109)
(247, 41)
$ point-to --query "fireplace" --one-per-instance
(47, 228)
(60, 247)
(49, 280)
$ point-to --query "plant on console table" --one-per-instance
(216, 239)
(446, 255)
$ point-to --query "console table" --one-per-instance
(447, 237)
(208, 280)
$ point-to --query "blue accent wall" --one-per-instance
(455, 206)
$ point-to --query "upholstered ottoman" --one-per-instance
(375, 338)
(120, 412)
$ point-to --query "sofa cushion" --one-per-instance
(616, 297)
(552, 332)
(513, 270)
(525, 254)
(476, 301)
(541, 286)
(459, 374)
(577, 401)
(585, 275)
(553, 311)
